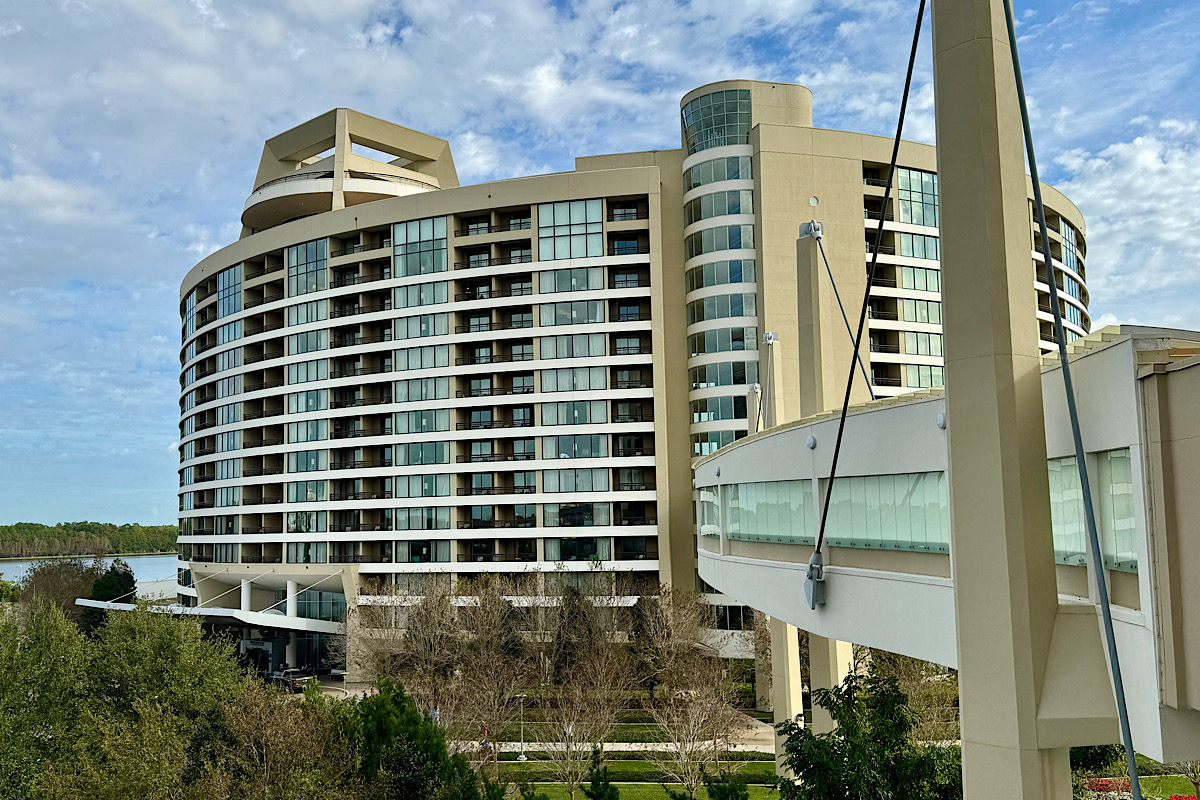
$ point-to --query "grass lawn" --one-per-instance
(1165, 785)
(622, 732)
(631, 770)
(650, 791)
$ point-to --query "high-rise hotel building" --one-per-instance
(391, 379)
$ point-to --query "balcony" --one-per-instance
(632, 350)
(255, 472)
(481, 327)
(310, 191)
(249, 276)
(266, 298)
(640, 282)
(880, 380)
(365, 463)
(262, 559)
(629, 215)
(633, 383)
(640, 316)
(636, 555)
(488, 458)
(645, 416)
(358, 527)
(265, 442)
(250, 415)
(489, 294)
(872, 214)
(255, 387)
(495, 391)
(648, 519)
(492, 359)
(483, 524)
(360, 248)
(381, 495)
(263, 529)
(360, 401)
(496, 557)
(874, 182)
(880, 347)
(504, 227)
(354, 341)
(644, 486)
(359, 433)
(629, 452)
(354, 372)
(883, 249)
(524, 258)
(350, 311)
(876, 313)
(638, 250)
(485, 425)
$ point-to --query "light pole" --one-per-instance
(522, 756)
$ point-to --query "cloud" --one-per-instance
(131, 130)
(1138, 198)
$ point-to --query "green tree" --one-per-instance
(726, 786)
(163, 659)
(402, 753)
(61, 581)
(114, 584)
(599, 787)
(870, 755)
(43, 681)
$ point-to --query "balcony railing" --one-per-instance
(628, 452)
(640, 282)
(484, 425)
(381, 495)
(270, 326)
(881, 314)
(883, 249)
(353, 372)
(881, 380)
(489, 294)
(359, 433)
(266, 298)
(644, 416)
(495, 557)
(636, 555)
(263, 529)
(257, 357)
(487, 458)
(875, 181)
(630, 250)
(633, 383)
(356, 527)
(649, 519)
(256, 472)
(630, 316)
(480, 327)
(300, 176)
(483, 524)
(888, 282)
(364, 463)
(494, 391)
(880, 347)
(472, 263)
(265, 442)
(628, 215)
(504, 227)
(360, 401)
(644, 486)
(264, 271)
(255, 387)
(872, 214)
(360, 248)
(493, 359)
(632, 350)
(262, 560)
(350, 311)
(249, 415)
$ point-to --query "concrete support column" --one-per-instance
(1002, 551)
(829, 662)
(292, 605)
(246, 587)
(786, 689)
(290, 650)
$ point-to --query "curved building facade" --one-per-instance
(392, 380)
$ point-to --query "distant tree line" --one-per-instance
(31, 539)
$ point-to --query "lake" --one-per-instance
(145, 568)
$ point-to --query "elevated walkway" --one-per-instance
(888, 575)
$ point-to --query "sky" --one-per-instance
(130, 132)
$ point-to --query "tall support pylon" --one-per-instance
(1002, 549)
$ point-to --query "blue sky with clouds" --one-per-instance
(130, 131)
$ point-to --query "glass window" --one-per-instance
(427, 357)
(923, 344)
(722, 306)
(422, 294)
(575, 480)
(711, 409)
(716, 119)
(306, 492)
(306, 522)
(719, 169)
(570, 230)
(304, 313)
(729, 373)
(579, 413)
(306, 268)
(573, 346)
(574, 515)
(718, 204)
(423, 519)
(423, 325)
(922, 311)
(307, 552)
(925, 376)
(308, 461)
(917, 194)
(577, 313)
(922, 280)
(313, 400)
(723, 340)
(717, 273)
(1117, 518)
(915, 245)
(229, 291)
(577, 379)
(897, 512)
(419, 453)
(308, 342)
(311, 431)
(420, 246)
(722, 237)
(416, 389)
(571, 280)
(423, 421)
(423, 486)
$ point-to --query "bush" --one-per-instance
(1098, 758)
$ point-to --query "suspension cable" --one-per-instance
(1060, 337)
(849, 332)
(862, 316)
